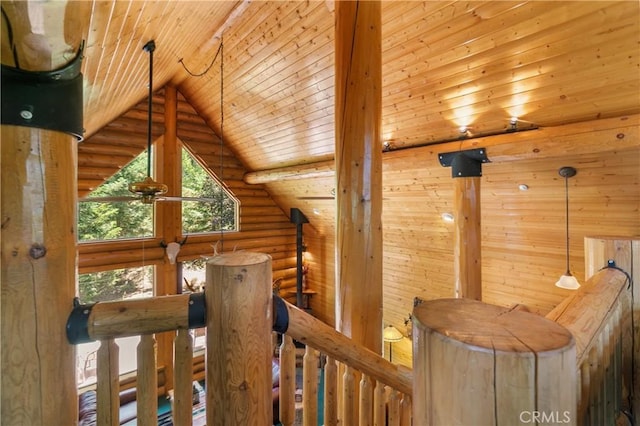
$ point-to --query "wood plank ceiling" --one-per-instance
(445, 65)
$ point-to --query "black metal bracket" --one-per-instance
(49, 100)
(465, 163)
(281, 315)
(197, 310)
(78, 323)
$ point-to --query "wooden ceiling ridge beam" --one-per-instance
(602, 135)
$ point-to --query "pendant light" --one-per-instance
(567, 281)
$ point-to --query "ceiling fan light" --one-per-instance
(568, 281)
(148, 188)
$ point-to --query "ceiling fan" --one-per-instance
(148, 190)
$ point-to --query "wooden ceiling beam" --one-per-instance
(597, 136)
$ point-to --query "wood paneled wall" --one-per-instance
(523, 232)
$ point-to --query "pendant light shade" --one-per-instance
(567, 281)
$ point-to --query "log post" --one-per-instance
(41, 124)
(239, 320)
(359, 172)
(38, 276)
(466, 250)
(476, 363)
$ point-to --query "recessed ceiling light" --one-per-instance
(448, 217)
(316, 211)
(523, 187)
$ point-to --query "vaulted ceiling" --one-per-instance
(270, 90)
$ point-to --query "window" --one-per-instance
(103, 286)
(219, 214)
(111, 220)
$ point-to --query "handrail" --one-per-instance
(132, 317)
(309, 330)
(585, 312)
(597, 316)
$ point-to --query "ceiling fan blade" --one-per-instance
(316, 198)
(180, 199)
(108, 199)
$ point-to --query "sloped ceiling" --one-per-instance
(445, 64)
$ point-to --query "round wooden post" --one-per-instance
(467, 266)
(239, 320)
(359, 172)
(482, 364)
(38, 276)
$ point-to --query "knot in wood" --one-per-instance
(37, 251)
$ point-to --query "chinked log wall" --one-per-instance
(264, 226)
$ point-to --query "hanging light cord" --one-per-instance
(566, 195)
(150, 47)
(220, 191)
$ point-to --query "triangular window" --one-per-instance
(219, 211)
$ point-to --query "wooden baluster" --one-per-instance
(348, 391)
(108, 384)
(183, 379)
(366, 400)
(379, 405)
(147, 382)
(394, 408)
(330, 392)
(584, 391)
(310, 387)
(593, 387)
(609, 380)
(287, 381)
(405, 410)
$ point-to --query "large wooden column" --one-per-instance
(38, 276)
(480, 364)
(239, 348)
(38, 198)
(466, 260)
(359, 172)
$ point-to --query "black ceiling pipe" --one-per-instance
(297, 217)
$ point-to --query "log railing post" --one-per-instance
(239, 320)
(183, 378)
(108, 384)
(287, 381)
(147, 381)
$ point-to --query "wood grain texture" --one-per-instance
(239, 382)
(467, 257)
(359, 173)
(38, 276)
(498, 362)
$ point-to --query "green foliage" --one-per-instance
(102, 221)
(204, 216)
(111, 285)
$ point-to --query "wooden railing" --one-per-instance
(360, 387)
(598, 316)
(370, 389)
(107, 321)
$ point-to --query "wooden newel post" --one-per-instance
(476, 363)
(239, 320)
